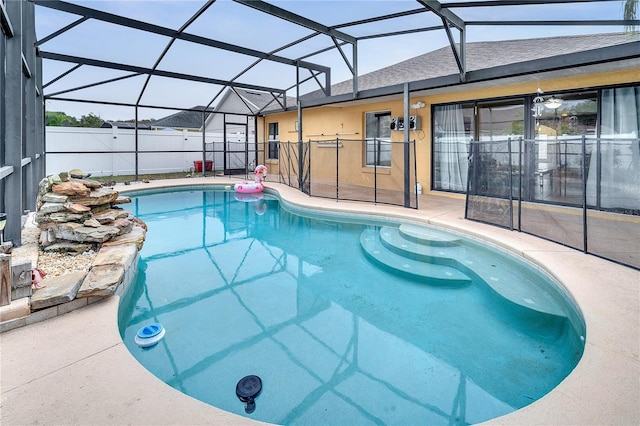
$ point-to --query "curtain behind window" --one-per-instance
(451, 148)
(619, 174)
(378, 138)
(273, 141)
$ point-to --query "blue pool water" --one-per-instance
(345, 321)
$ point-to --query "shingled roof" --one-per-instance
(479, 55)
(188, 119)
(125, 125)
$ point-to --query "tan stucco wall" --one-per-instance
(347, 122)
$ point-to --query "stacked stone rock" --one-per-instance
(79, 214)
(75, 215)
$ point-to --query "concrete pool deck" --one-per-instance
(75, 369)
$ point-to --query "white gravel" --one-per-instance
(56, 263)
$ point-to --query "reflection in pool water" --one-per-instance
(340, 320)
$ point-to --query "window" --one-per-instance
(273, 141)
(378, 139)
(500, 120)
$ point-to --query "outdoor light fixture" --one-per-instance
(553, 102)
(418, 105)
(3, 222)
(538, 104)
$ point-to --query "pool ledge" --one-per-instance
(93, 379)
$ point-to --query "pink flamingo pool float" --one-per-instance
(247, 187)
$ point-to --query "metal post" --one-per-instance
(376, 158)
(337, 170)
(407, 153)
(309, 167)
(31, 126)
(585, 248)
(14, 90)
(40, 123)
(470, 171)
(510, 186)
(415, 170)
(225, 145)
(204, 143)
(288, 163)
(135, 127)
(355, 69)
(520, 174)
(300, 159)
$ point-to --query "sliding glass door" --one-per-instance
(453, 130)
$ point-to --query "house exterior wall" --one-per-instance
(230, 104)
(236, 134)
(347, 122)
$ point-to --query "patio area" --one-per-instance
(75, 369)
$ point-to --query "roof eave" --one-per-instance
(602, 55)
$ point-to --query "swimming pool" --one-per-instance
(337, 317)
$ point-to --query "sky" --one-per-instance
(240, 25)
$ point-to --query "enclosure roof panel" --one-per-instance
(295, 47)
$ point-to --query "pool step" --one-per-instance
(433, 273)
(428, 247)
(427, 236)
(428, 254)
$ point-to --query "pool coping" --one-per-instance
(93, 379)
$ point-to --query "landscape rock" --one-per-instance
(57, 290)
(46, 238)
(96, 197)
(49, 207)
(80, 211)
(69, 247)
(80, 217)
(111, 215)
(140, 223)
(77, 208)
(123, 255)
(59, 217)
(122, 200)
(96, 210)
(92, 184)
(45, 184)
(93, 223)
(73, 188)
(55, 198)
(125, 225)
(101, 281)
(135, 237)
(79, 233)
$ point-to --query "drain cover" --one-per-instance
(247, 389)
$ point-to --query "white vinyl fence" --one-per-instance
(111, 152)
